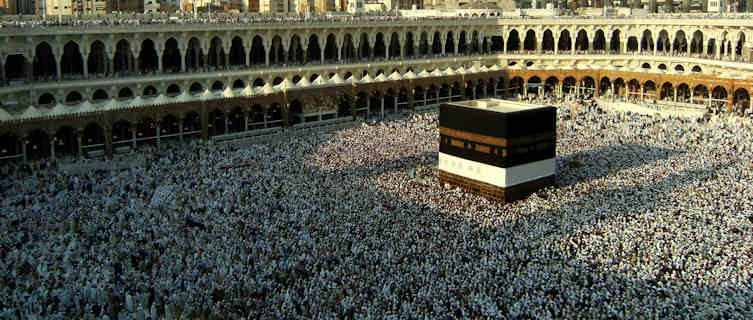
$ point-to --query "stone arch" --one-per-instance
(65, 141)
(696, 43)
(125, 93)
(646, 65)
(191, 123)
(148, 61)
(150, 91)
(37, 145)
(663, 44)
(681, 43)
(218, 86)
(436, 44)
(700, 94)
(649, 89)
(173, 90)
(364, 51)
(239, 84)
(259, 82)
(498, 44)
(551, 84)
(683, 92)
(662, 66)
(71, 63)
(667, 91)
(146, 128)
(604, 85)
(679, 68)
(313, 50)
(46, 99)
(93, 134)
(513, 41)
(330, 48)
(696, 69)
(647, 41)
(73, 97)
(711, 47)
(547, 42)
(568, 84)
(257, 54)
(123, 62)
(348, 50)
(740, 44)
(581, 41)
(614, 41)
(196, 88)
(10, 145)
(171, 56)
(216, 123)
(394, 49)
(741, 99)
(216, 55)
(169, 125)
(530, 42)
(15, 67)
(277, 51)
(44, 66)
(632, 44)
(423, 44)
(122, 130)
(236, 120)
(599, 41)
(449, 44)
(564, 43)
(476, 46)
(408, 46)
(100, 95)
(194, 55)
(719, 93)
(463, 43)
(619, 86)
(237, 56)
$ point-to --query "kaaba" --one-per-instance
(499, 149)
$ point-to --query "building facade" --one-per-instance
(102, 88)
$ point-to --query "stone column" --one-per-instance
(381, 106)
(675, 97)
(133, 138)
(86, 64)
(180, 130)
(80, 152)
(182, 61)
(23, 150)
(108, 142)
(159, 133)
(52, 149)
(58, 69)
(368, 106)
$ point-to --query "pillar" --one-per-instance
(108, 142)
(245, 121)
(23, 150)
(78, 138)
(692, 94)
(133, 138)
(86, 65)
(368, 106)
(159, 133)
(381, 106)
(675, 97)
(52, 149)
(180, 131)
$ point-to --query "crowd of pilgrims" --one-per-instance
(650, 217)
